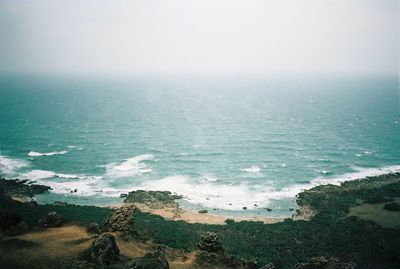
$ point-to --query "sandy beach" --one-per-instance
(191, 216)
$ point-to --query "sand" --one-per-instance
(191, 216)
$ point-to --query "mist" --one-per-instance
(208, 36)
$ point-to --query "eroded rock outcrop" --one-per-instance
(104, 250)
(93, 228)
(122, 220)
(210, 242)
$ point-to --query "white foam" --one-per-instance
(220, 196)
(38, 174)
(9, 166)
(86, 187)
(130, 167)
(211, 178)
(74, 147)
(38, 154)
(251, 169)
(358, 174)
(43, 174)
(209, 194)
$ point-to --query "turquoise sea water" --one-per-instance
(223, 142)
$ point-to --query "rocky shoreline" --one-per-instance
(164, 204)
(150, 230)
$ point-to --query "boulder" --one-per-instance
(154, 259)
(53, 219)
(104, 250)
(209, 242)
(93, 228)
(122, 220)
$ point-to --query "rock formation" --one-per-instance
(122, 220)
(104, 250)
(210, 242)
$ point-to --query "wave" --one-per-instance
(130, 167)
(43, 174)
(359, 173)
(234, 197)
(74, 147)
(9, 166)
(209, 194)
(38, 154)
(87, 187)
(251, 169)
(66, 183)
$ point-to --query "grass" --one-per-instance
(376, 213)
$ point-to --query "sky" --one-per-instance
(204, 36)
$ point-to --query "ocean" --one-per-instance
(223, 142)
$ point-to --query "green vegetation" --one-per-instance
(376, 213)
(330, 233)
(72, 213)
(337, 230)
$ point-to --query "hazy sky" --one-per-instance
(249, 36)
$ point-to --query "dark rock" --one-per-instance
(123, 195)
(244, 208)
(152, 197)
(104, 250)
(268, 209)
(203, 211)
(16, 187)
(93, 228)
(53, 219)
(392, 207)
(33, 203)
(154, 259)
(324, 263)
(210, 242)
(122, 220)
(291, 209)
